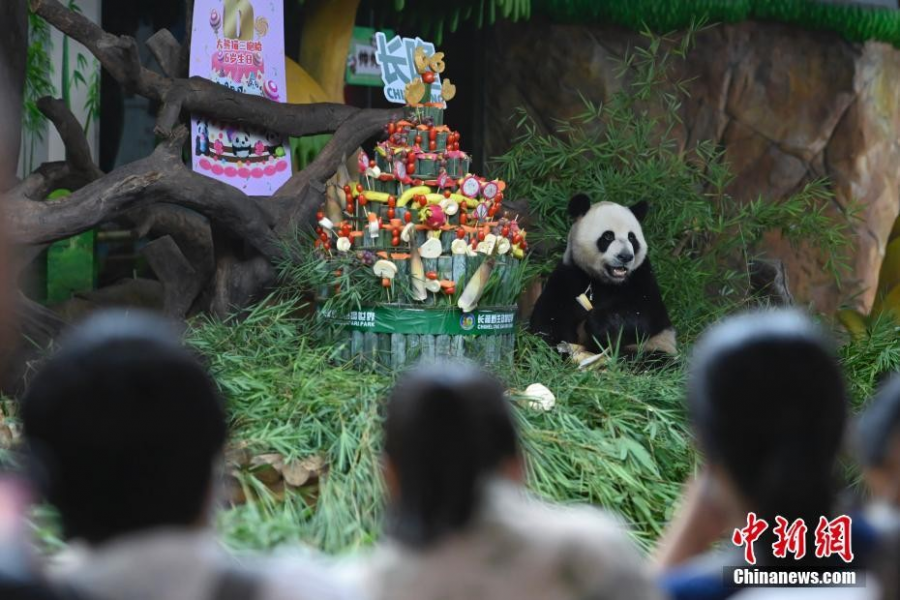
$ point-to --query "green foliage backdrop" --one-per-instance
(625, 151)
(853, 22)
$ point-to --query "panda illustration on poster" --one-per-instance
(240, 44)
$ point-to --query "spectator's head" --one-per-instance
(124, 427)
(878, 442)
(768, 404)
(449, 429)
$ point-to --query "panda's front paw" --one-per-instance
(582, 357)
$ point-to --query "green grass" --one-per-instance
(615, 439)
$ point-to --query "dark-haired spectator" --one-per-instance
(878, 448)
(125, 430)
(460, 524)
(768, 405)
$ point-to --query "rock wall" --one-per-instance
(787, 105)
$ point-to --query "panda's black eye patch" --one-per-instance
(634, 242)
(605, 240)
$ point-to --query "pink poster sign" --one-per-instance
(240, 44)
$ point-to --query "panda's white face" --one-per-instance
(607, 242)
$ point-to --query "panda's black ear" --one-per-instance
(579, 205)
(640, 210)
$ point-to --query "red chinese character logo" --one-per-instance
(833, 537)
(749, 534)
(790, 538)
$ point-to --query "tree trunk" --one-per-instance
(13, 54)
(205, 230)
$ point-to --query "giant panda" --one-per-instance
(606, 262)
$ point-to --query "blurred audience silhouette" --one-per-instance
(767, 402)
(124, 431)
(460, 524)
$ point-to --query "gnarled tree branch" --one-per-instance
(161, 177)
(78, 151)
(200, 95)
(77, 170)
(307, 187)
(166, 50)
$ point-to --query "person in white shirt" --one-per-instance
(460, 524)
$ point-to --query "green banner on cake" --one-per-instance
(424, 321)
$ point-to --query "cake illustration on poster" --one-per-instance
(240, 44)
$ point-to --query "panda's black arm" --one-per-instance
(610, 328)
(556, 314)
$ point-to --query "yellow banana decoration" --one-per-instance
(408, 195)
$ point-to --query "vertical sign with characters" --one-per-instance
(240, 44)
(362, 66)
(397, 62)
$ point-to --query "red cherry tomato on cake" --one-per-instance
(428, 77)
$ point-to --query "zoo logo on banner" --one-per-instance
(240, 44)
(395, 57)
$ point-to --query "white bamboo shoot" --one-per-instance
(468, 300)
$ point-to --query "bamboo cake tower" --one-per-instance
(443, 257)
